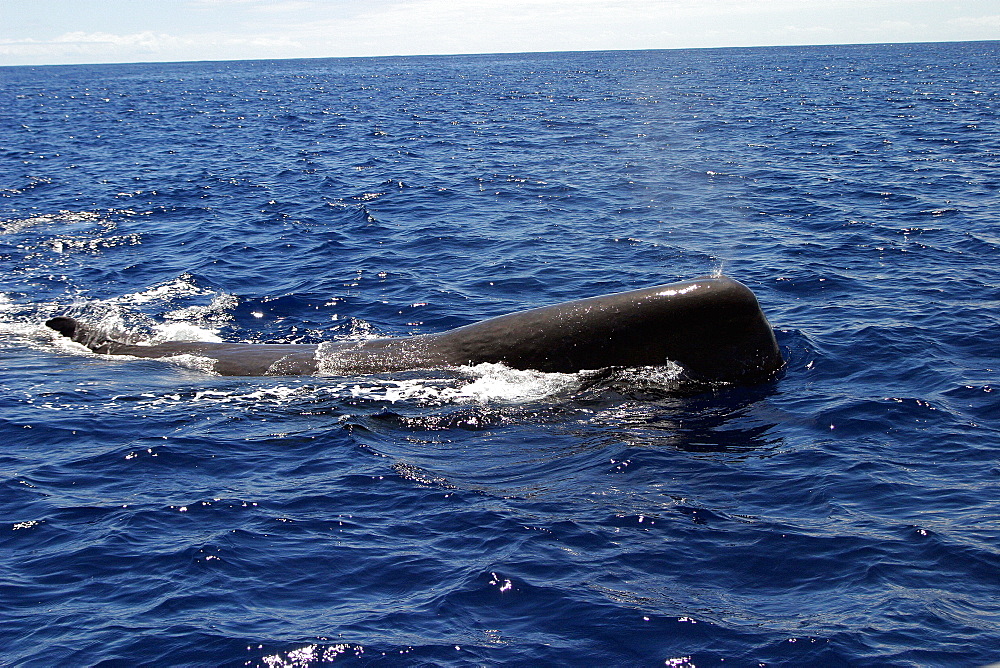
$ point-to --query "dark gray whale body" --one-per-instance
(713, 327)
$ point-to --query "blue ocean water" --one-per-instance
(847, 514)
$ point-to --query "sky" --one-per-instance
(45, 32)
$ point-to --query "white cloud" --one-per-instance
(145, 40)
(223, 3)
(81, 46)
(894, 26)
(264, 6)
(978, 22)
(287, 7)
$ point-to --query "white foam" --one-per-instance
(184, 331)
(6, 302)
(197, 362)
(483, 383)
(120, 317)
(499, 382)
(217, 310)
(182, 286)
(15, 225)
(666, 375)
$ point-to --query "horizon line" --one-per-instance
(497, 53)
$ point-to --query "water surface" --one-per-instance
(155, 514)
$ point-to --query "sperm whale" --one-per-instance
(712, 327)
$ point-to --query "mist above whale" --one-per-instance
(712, 327)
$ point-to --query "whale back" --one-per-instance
(713, 327)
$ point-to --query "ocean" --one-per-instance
(845, 514)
